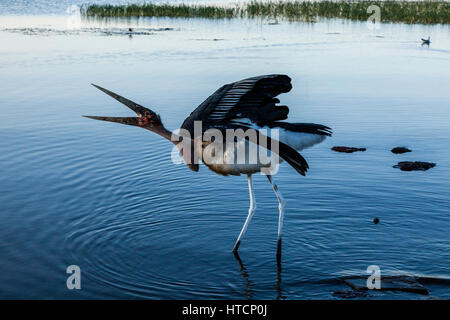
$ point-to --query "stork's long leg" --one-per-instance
(281, 205)
(251, 211)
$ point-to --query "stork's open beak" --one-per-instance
(132, 121)
(146, 119)
(141, 111)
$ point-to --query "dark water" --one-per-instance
(109, 199)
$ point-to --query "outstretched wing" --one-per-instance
(252, 99)
(247, 103)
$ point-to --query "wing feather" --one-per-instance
(252, 99)
(250, 102)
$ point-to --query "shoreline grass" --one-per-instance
(422, 12)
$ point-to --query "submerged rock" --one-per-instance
(347, 149)
(414, 165)
(399, 150)
(403, 283)
(350, 294)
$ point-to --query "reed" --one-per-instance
(424, 12)
(159, 10)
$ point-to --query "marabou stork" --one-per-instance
(249, 103)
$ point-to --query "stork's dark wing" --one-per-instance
(246, 103)
(252, 99)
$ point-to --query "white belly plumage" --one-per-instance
(233, 161)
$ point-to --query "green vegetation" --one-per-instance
(426, 12)
(159, 10)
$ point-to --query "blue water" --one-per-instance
(53, 7)
(109, 199)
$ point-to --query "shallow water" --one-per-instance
(108, 198)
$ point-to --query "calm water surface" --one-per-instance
(109, 199)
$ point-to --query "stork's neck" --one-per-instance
(189, 156)
(162, 131)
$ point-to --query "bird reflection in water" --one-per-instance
(248, 285)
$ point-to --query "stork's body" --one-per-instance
(246, 105)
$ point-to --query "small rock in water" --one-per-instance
(347, 149)
(376, 220)
(399, 150)
(414, 165)
(404, 283)
(350, 294)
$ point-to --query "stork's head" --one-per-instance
(146, 118)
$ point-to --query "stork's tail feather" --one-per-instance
(294, 158)
(287, 153)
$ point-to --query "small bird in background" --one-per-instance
(426, 41)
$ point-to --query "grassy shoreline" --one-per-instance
(424, 12)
